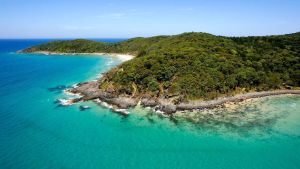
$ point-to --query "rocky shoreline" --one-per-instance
(91, 91)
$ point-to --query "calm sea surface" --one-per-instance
(37, 133)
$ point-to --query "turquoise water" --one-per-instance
(35, 133)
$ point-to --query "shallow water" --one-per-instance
(37, 133)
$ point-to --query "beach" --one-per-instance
(121, 56)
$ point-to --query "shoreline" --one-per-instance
(122, 56)
(192, 105)
(90, 91)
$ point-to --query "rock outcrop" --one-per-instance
(91, 91)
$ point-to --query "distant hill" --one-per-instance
(195, 65)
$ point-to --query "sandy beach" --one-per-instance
(122, 56)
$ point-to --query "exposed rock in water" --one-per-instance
(90, 91)
(82, 108)
(57, 88)
(167, 107)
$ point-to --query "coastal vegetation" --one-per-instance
(193, 65)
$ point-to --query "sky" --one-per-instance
(131, 18)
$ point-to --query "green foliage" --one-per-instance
(198, 65)
(151, 83)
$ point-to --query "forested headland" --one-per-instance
(192, 66)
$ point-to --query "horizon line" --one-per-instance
(73, 38)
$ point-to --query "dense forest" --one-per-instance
(195, 65)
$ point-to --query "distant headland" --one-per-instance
(188, 71)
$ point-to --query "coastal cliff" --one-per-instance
(190, 70)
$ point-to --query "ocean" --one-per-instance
(37, 133)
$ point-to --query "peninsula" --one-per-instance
(189, 70)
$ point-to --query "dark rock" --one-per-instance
(168, 108)
(82, 108)
(57, 88)
(148, 102)
(124, 102)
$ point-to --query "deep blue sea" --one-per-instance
(37, 133)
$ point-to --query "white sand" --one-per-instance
(121, 56)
